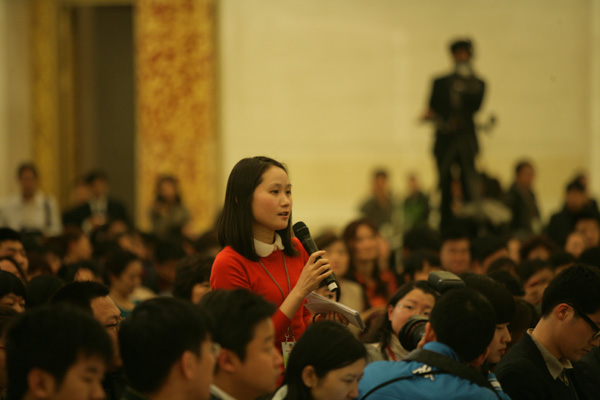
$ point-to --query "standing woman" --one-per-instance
(169, 216)
(259, 252)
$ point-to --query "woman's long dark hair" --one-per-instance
(235, 224)
(382, 331)
(349, 237)
(325, 346)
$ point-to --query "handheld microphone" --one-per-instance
(303, 234)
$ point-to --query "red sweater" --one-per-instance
(231, 270)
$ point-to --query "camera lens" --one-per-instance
(412, 332)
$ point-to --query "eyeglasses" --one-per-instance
(116, 326)
(589, 321)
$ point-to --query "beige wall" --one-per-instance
(15, 100)
(334, 88)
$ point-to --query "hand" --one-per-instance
(312, 274)
(333, 316)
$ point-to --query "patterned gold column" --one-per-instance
(176, 103)
(45, 109)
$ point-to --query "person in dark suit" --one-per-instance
(455, 98)
(521, 200)
(100, 210)
(541, 365)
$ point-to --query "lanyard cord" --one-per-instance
(286, 274)
(289, 333)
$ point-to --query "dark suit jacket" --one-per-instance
(524, 376)
(114, 209)
(455, 99)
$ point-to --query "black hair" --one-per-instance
(167, 178)
(68, 272)
(575, 185)
(587, 214)
(453, 234)
(7, 234)
(535, 242)
(422, 237)
(168, 250)
(70, 234)
(496, 293)
(522, 164)
(51, 338)
(117, 262)
(80, 294)
(27, 166)
(381, 331)
(326, 239)
(380, 172)
(561, 258)
(527, 268)
(464, 320)
(235, 225)
(326, 346)
(41, 288)
(191, 271)
(502, 264)
(415, 262)
(483, 247)
(11, 284)
(155, 336)
(95, 175)
(461, 44)
(349, 237)
(591, 256)
(236, 313)
(206, 242)
(577, 285)
(508, 280)
(17, 266)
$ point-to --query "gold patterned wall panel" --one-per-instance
(175, 77)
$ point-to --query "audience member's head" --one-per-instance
(167, 190)
(167, 349)
(12, 291)
(575, 244)
(360, 237)
(418, 265)
(76, 246)
(27, 175)
(192, 278)
(9, 264)
(486, 250)
(249, 365)
(123, 272)
(97, 182)
(535, 276)
(570, 322)
(561, 260)
(504, 264)
(576, 197)
(537, 247)
(413, 298)
(167, 254)
(588, 225)
(207, 244)
(41, 288)
(335, 251)
(504, 308)
(455, 252)
(80, 271)
(524, 174)
(326, 363)
(464, 320)
(56, 353)
(512, 284)
(591, 257)
(421, 238)
(526, 317)
(11, 244)
(93, 298)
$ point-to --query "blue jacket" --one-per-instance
(436, 386)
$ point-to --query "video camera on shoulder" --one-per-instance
(413, 330)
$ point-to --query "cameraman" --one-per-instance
(457, 337)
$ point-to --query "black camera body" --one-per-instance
(413, 330)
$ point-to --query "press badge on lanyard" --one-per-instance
(288, 345)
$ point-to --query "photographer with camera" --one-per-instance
(456, 340)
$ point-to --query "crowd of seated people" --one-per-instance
(163, 319)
